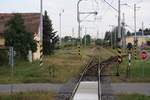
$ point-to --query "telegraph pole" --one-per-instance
(119, 26)
(79, 21)
(41, 33)
(85, 36)
(97, 35)
(142, 32)
(111, 33)
(11, 63)
(79, 24)
(135, 35)
(72, 36)
(115, 43)
(60, 27)
(79, 28)
(119, 39)
(123, 33)
(60, 24)
(135, 22)
(111, 39)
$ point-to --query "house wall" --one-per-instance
(140, 40)
(2, 41)
(36, 55)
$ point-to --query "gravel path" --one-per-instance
(30, 87)
(109, 89)
(130, 88)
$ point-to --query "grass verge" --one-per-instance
(64, 65)
(133, 97)
(28, 96)
(138, 67)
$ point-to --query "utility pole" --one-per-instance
(72, 32)
(142, 32)
(79, 27)
(119, 39)
(85, 36)
(123, 33)
(115, 43)
(97, 35)
(111, 39)
(119, 26)
(41, 33)
(135, 22)
(79, 24)
(72, 36)
(135, 38)
(143, 46)
(11, 63)
(111, 36)
(60, 27)
(135, 35)
(78, 19)
(114, 29)
(60, 24)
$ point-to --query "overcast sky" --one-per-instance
(106, 15)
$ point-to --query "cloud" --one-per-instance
(69, 17)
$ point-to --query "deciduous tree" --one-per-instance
(17, 37)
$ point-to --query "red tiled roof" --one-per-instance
(31, 21)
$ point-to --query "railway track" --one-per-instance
(71, 87)
(92, 72)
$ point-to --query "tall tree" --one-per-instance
(113, 35)
(18, 37)
(129, 33)
(49, 36)
(87, 39)
(67, 38)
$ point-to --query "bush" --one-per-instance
(3, 57)
(99, 42)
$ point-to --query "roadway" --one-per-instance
(84, 88)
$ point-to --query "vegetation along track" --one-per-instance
(89, 73)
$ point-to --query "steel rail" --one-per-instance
(79, 81)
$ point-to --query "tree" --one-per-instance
(107, 38)
(49, 36)
(129, 33)
(18, 37)
(67, 38)
(99, 42)
(87, 39)
(113, 35)
(147, 31)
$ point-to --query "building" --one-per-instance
(141, 39)
(32, 24)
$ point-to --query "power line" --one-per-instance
(111, 5)
(107, 9)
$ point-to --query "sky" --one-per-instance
(104, 21)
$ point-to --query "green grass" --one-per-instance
(24, 72)
(28, 96)
(64, 65)
(133, 97)
(136, 71)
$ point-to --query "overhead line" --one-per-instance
(108, 8)
(111, 6)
